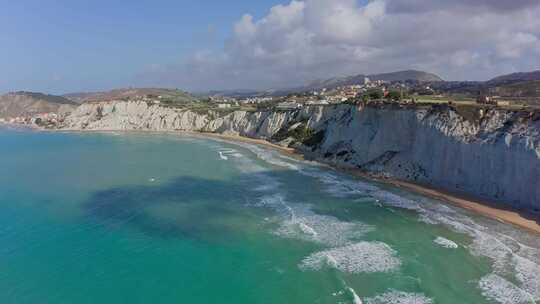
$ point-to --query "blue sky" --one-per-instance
(60, 46)
(69, 46)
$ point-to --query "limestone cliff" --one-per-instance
(485, 152)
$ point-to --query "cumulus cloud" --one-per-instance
(500, 6)
(305, 40)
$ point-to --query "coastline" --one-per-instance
(495, 211)
(485, 208)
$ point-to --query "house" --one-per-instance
(484, 99)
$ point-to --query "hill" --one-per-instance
(31, 103)
(408, 75)
(518, 89)
(171, 95)
(515, 77)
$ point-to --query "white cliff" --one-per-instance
(489, 153)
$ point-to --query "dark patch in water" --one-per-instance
(202, 202)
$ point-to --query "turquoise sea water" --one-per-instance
(149, 218)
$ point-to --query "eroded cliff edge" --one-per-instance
(490, 153)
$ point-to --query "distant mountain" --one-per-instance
(132, 93)
(517, 89)
(409, 75)
(31, 103)
(515, 77)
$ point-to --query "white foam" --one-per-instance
(394, 200)
(258, 175)
(339, 186)
(222, 156)
(399, 297)
(363, 257)
(500, 290)
(446, 243)
(510, 256)
(356, 298)
(302, 223)
(270, 157)
(528, 274)
(322, 229)
(277, 203)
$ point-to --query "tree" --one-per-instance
(375, 94)
(394, 95)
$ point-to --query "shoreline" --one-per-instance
(495, 211)
(491, 210)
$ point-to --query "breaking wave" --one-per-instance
(326, 230)
(355, 298)
(399, 297)
(363, 257)
(446, 243)
(500, 290)
(514, 254)
(510, 256)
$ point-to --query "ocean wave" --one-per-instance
(259, 176)
(355, 298)
(510, 255)
(500, 290)
(271, 157)
(446, 243)
(339, 187)
(394, 200)
(399, 297)
(363, 257)
(222, 156)
(322, 229)
(277, 203)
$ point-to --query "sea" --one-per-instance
(171, 218)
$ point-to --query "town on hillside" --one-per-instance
(393, 92)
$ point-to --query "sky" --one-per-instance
(72, 46)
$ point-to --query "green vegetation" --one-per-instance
(374, 94)
(394, 95)
(301, 133)
(471, 113)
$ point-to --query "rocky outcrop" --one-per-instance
(489, 153)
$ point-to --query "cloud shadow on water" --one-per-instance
(186, 207)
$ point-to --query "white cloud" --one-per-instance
(513, 45)
(310, 39)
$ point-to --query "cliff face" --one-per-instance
(490, 153)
